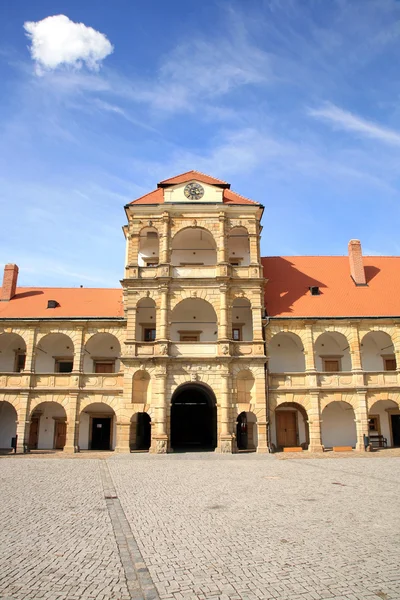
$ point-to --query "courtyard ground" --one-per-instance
(199, 526)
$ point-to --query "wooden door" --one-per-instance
(104, 367)
(60, 434)
(34, 433)
(286, 428)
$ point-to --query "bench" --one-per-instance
(378, 441)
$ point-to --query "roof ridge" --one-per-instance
(195, 171)
(241, 196)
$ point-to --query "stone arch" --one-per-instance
(54, 352)
(286, 353)
(290, 424)
(193, 245)
(338, 424)
(238, 246)
(12, 352)
(384, 419)
(60, 399)
(97, 424)
(102, 348)
(194, 315)
(193, 417)
(245, 387)
(339, 397)
(332, 349)
(148, 246)
(241, 318)
(8, 424)
(140, 431)
(246, 431)
(141, 388)
(146, 319)
(48, 422)
(377, 351)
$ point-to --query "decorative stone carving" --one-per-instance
(225, 349)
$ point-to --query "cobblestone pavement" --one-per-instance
(206, 526)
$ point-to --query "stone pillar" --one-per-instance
(261, 408)
(226, 437)
(361, 419)
(355, 353)
(72, 439)
(254, 253)
(314, 423)
(23, 422)
(223, 320)
(131, 324)
(221, 239)
(164, 241)
(159, 438)
(256, 310)
(309, 356)
(123, 434)
(78, 352)
(133, 252)
(162, 326)
(30, 351)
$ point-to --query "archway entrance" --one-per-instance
(193, 418)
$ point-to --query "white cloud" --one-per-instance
(350, 122)
(59, 41)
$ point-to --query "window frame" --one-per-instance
(332, 358)
(62, 360)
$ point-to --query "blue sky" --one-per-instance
(294, 102)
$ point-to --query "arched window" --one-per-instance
(332, 352)
(242, 320)
(193, 320)
(102, 352)
(148, 247)
(146, 325)
(239, 247)
(377, 352)
(286, 354)
(54, 354)
(12, 353)
(193, 246)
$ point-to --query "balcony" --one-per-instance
(14, 380)
(103, 381)
(55, 380)
(340, 380)
(381, 378)
(247, 348)
(198, 349)
(194, 271)
(45, 381)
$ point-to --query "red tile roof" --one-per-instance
(157, 197)
(289, 278)
(189, 175)
(31, 302)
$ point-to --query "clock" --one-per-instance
(194, 191)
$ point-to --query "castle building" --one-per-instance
(206, 345)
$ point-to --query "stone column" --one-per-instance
(314, 423)
(164, 241)
(256, 310)
(221, 239)
(30, 351)
(254, 253)
(131, 324)
(355, 353)
(162, 326)
(123, 434)
(78, 352)
(159, 439)
(133, 252)
(261, 409)
(361, 419)
(309, 356)
(223, 320)
(23, 422)
(225, 445)
(72, 439)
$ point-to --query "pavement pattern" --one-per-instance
(199, 526)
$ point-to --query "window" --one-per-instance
(151, 262)
(373, 424)
(331, 365)
(104, 366)
(235, 261)
(389, 363)
(64, 365)
(149, 334)
(236, 334)
(20, 358)
(189, 336)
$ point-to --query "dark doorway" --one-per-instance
(101, 430)
(33, 433)
(242, 434)
(143, 431)
(193, 419)
(396, 429)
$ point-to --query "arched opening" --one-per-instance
(332, 352)
(48, 427)
(193, 418)
(377, 352)
(239, 247)
(193, 320)
(246, 431)
(141, 388)
(8, 424)
(148, 247)
(146, 320)
(245, 384)
(54, 354)
(242, 320)
(338, 427)
(97, 427)
(140, 433)
(193, 246)
(290, 427)
(286, 354)
(12, 353)
(384, 420)
(102, 352)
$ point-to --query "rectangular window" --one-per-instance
(237, 334)
(104, 366)
(64, 365)
(20, 359)
(149, 334)
(373, 424)
(331, 365)
(389, 364)
(151, 262)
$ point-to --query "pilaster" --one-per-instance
(72, 438)
(23, 422)
(78, 352)
(225, 442)
(314, 423)
(361, 419)
(159, 438)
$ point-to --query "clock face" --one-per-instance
(194, 191)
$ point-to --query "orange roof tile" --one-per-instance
(31, 302)
(289, 278)
(157, 197)
(189, 175)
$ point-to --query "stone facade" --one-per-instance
(194, 319)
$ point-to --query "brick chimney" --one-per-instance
(356, 262)
(9, 282)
